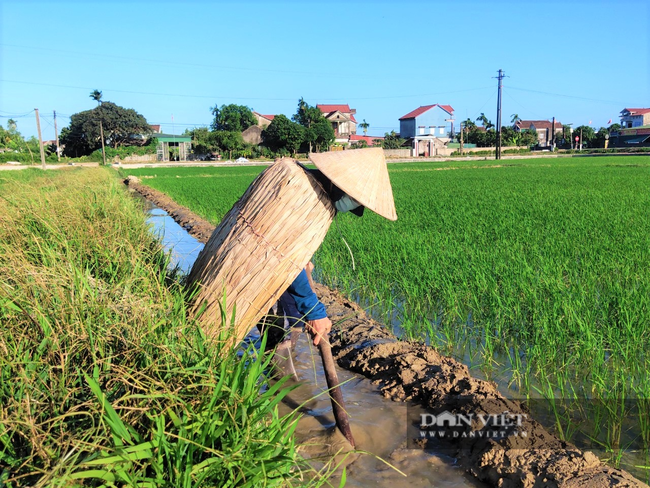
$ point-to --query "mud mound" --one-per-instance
(412, 372)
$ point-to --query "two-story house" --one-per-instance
(635, 129)
(342, 119)
(544, 129)
(635, 117)
(428, 128)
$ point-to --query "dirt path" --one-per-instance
(411, 372)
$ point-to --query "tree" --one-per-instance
(322, 134)
(515, 118)
(600, 137)
(588, 135)
(364, 125)
(484, 121)
(121, 127)
(203, 141)
(229, 140)
(318, 131)
(392, 140)
(97, 96)
(283, 135)
(360, 144)
(234, 118)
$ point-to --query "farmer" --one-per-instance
(264, 243)
(299, 304)
(271, 233)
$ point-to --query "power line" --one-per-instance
(568, 96)
(324, 99)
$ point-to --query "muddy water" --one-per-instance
(378, 424)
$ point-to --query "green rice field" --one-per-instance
(535, 271)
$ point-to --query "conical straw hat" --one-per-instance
(362, 174)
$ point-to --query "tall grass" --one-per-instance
(103, 379)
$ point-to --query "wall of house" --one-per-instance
(407, 128)
(431, 122)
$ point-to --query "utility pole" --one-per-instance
(56, 134)
(500, 78)
(101, 134)
(461, 138)
(40, 139)
(553, 135)
(581, 138)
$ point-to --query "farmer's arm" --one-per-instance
(307, 303)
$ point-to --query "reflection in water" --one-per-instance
(378, 424)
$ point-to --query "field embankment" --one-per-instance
(104, 381)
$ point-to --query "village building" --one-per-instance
(635, 117)
(544, 129)
(635, 129)
(172, 147)
(428, 128)
(342, 119)
(263, 120)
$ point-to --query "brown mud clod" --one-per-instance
(414, 372)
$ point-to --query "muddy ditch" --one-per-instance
(491, 437)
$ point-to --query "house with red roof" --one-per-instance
(429, 128)
(635, 117)
(635, 129)
(263, 120)
(342, 119)
(544, 129)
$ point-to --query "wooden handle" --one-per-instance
(338, 407)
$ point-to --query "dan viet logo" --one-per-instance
(447, 425)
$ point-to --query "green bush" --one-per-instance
(104, 380)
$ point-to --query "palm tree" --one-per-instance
(364, 125)
(97, 96)
(483, 120)
(515, 118)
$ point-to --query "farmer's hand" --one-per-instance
(319, 329)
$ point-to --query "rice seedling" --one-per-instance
(538, 267)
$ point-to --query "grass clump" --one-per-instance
(103, 379)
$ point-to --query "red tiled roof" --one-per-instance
(637, 111)
(424, 108)
(328, 109)
(538, 124)
(267, 117)
(368, 139)
(155, 128)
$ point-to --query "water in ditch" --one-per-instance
(378, 424)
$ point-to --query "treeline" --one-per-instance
(486, 134)
(14, 147)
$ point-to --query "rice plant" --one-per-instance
(104, 381)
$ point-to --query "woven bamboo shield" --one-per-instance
(260, 247)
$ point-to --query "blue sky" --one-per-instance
(577, 61)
